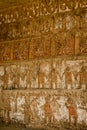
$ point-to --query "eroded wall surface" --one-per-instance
(43, 63)
(45, 91)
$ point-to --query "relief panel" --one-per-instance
(40, 48)
(21, 50)
(83, 43)
(37, 108)
(64, 44)
(45, 74)
(5, 51)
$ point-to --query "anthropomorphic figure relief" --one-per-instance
(54, 78)
(44, 75)
(41, 79)
(82, 109)
(13, 105)
(83, 78)
(34, 109)
(68, 77)
(31, 110)
(5, 108)
(28, 80)
(41, 101)
(16, 82)
(48, 111)
(20, 103)
(14, 77)
(2, 76)
(1, 105)
(72, 111)
(76, 80)
(33, 74)
(62, 109)
(75, 69)
(34, 80)
(28, 110)
(28, 115)
(55, 110)
(6, 78)
(23, 81)
(60, 71)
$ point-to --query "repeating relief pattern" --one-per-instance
(37, 107)
(61, 44)
(42, 74)
(43, 63)
(29, 92)
(44, 29)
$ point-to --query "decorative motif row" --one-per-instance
(41, 8)
(45, 74)
(22, 22)
(62, 44)
(37, 108)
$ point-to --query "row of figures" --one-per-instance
(39, 109)
(26, 78)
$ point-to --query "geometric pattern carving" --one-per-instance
(41, 30)
(21, 50)
(5, 51)
(50, 28)
(40, 48)
(83, 43)
(64, 44)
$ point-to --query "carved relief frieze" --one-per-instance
(37, 108)
(45, 74)
(65, 15)
(43, 64)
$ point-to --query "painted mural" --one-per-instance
(32, 108)
(45, 74)
(43, 64)
(44, 92)
(35, 31)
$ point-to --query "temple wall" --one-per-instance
(43, 63)
(43, 91)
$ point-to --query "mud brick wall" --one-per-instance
(43, 63)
